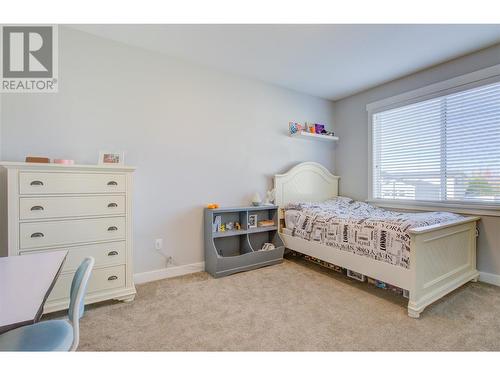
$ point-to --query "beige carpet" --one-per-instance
(292, 306)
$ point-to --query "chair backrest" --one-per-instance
(77, 294)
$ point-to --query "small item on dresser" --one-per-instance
(237, 225)
(268, 246)
(256, 200)
(64, 161)
(230, 225)
(111, 158)
(37, 159)
(222, 228)
(212, 205)
(266, 223)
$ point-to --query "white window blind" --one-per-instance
(445, 149)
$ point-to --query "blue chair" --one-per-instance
(54, 335)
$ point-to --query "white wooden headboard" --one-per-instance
(306, 182)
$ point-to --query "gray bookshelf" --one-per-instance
(234, 251)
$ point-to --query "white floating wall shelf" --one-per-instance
(315, 137)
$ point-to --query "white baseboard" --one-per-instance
(165, 273)
(489, 278)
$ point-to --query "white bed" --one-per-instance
(442, 256)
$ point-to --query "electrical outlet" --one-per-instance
(159, 243)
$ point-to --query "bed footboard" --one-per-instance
(442, 258)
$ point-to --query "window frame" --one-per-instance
(460, 83)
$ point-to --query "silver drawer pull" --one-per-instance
(37, 208)
(111, 278)
(112, 253)
(111, 205)
(36, 183)
(112, 183)
(37, 235)
(112, 229)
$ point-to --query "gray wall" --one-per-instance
(195, 135)
(351, 124)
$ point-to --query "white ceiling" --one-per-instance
(329, 61)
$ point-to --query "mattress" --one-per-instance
(360, 228)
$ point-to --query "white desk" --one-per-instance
(25, 283)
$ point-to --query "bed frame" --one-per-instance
(442, 256)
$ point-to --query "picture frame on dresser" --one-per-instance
(113, 158)
(84, 209)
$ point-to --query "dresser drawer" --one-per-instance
(66, 183)
(105, 254)
(100, 279)
(55, 207)
(59, 233)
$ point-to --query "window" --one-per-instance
(444, 149)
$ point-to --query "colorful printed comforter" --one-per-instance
(360, 228)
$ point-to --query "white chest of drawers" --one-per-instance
(85, 209)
